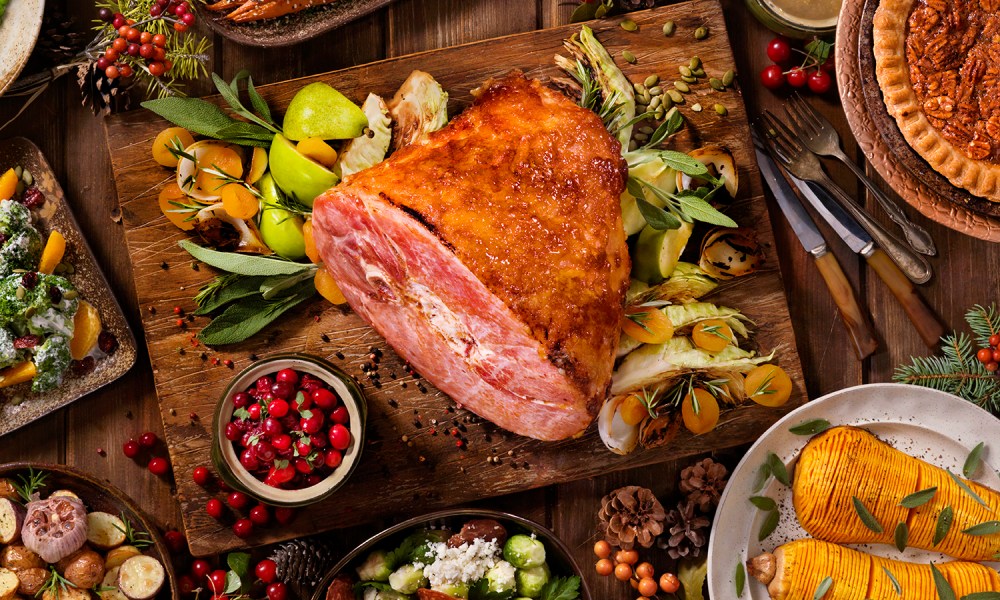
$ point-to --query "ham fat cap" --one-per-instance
(491, 256)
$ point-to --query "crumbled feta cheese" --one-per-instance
(467, 563)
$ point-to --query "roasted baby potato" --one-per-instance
(116, 557)
(8, 584)
(104, 530)
(32, 580)
(17, 558)
(7, 489)
(84, 568)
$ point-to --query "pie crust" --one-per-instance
(974, 166)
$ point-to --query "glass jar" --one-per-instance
(797, 18)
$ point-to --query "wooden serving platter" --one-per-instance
(412, 462)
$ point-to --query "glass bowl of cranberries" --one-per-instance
(289, 430)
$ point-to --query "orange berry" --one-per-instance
(647, 587)
(602, 549)
(631, 557)
(605, 567)
(623, 572)
(643, 571)
(669, 583)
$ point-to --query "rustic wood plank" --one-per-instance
(185, 382)
(420, 25)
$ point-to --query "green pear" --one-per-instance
(280, 229)
(320, 111)
(296, 174)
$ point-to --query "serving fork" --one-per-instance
(818, 135)
(803, 164)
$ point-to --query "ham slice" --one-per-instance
(491, 256)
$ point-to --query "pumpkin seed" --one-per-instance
(638, 87)
(629, 25)
(685, 71)
(20, 293)
(689, 79)
(27, 177)
(721, 110)
(668, 28)
(70, 268)
(651, 80)
(656, 103)
(695, 63)
(646, 129)
(641, 137)
(628, 56)
(701, 33)
(682, 87)
(660, 112)
(696, 107)
(632, 145)
(716, 84)
(60, 268)
(17, 171)
(18, 399)
(675, 96)
(646, 96)
(30, 312)
(728, 77)
(656, 91)
(71, 294)
(699, 72)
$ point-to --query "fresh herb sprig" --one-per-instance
(28, 485)
(686, 205)
(56, 585)
(133, 536)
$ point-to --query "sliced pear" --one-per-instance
(320, 111)
(298, 176)
(657, 252)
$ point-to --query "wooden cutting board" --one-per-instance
(411, 462)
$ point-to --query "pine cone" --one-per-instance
(59, 42)
(101, 94)
(302, 563)
(629, 5)
(631, 515)
(703, 482)
(687, 532)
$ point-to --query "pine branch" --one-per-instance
(957, 370)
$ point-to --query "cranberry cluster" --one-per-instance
(290, 430)
(813, 72)
(135, 47)
(990, 357)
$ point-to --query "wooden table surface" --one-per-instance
(966, 271)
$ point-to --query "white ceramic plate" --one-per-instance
(18, 32)
(934, 426)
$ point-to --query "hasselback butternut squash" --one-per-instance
(797, 570)
(844, 463)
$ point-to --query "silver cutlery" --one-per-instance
(818, 135)
(803, 164)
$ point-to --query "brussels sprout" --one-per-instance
(375, 567)
(417, 546)
(377, 594)
(455, 590)
(419, 107)
(407, 579)
(500, 579)
(524, 551)
(51, 359)
(531, 581)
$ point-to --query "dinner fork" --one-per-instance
(818, 135)
(804, 165)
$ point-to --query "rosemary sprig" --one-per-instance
(133, 537)
(28, 486)
(56, 584)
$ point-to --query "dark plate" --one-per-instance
(102, 496)
(18, 404)
(559, 557)
(290, 29)
(887, 128)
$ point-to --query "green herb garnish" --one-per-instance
(811, 427)
(918, 498)
(866, 516)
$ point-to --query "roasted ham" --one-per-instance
(491, 256)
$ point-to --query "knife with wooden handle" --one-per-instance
(858, 326)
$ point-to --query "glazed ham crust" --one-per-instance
(491, 256)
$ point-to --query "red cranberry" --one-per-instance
(158, 466)
(284, 515)
(288, 376)
(281, 442)
(241, 399)
(273, 426)
(333, 458)
(148, 439)
(277, 591)
(188, 18)
(303, 447)
(119, 20)
(215, 509)
(301, 402)
(282, 475)
(259, 515)
(186, 585)
(324, 398)
(264, 384)
(107, 342)
(233, 432)
(302, 466)
(248, 458)
(266, 570)
(313, 423)
(317, 440)
(200, 570)
(175, 541)
(340, 437)
(33, 197)
(27, 341)
(340, 415)
(238, 500)
(254, 412)
(201, 476)
(313, 479)
(283, 390)
(217, 581)
(265, 452)
(277, 408)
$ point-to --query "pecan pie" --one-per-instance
(938, 64)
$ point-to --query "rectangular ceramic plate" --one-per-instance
(18, 404)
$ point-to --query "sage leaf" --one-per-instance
(943, 525)
(866, 517)
(982, 596)
(778, 469)
(768, 526)
(656, 217)
(193, 114)
(673, 124)
(700, 210)
(243, 264)
(965, 488)
(811, 427)
(973, 461)
(244, 318)
(987, 528)
(764, 503)
(230, 92)
(634, 188)
(249, 131)
(901, 535)
(944, 590)
(741, 579)
(258, 102)
(274, 285)
(892, 579)
(823, 587)
(763, 474)
(683, 163)
(224, 289)
(918, 498)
